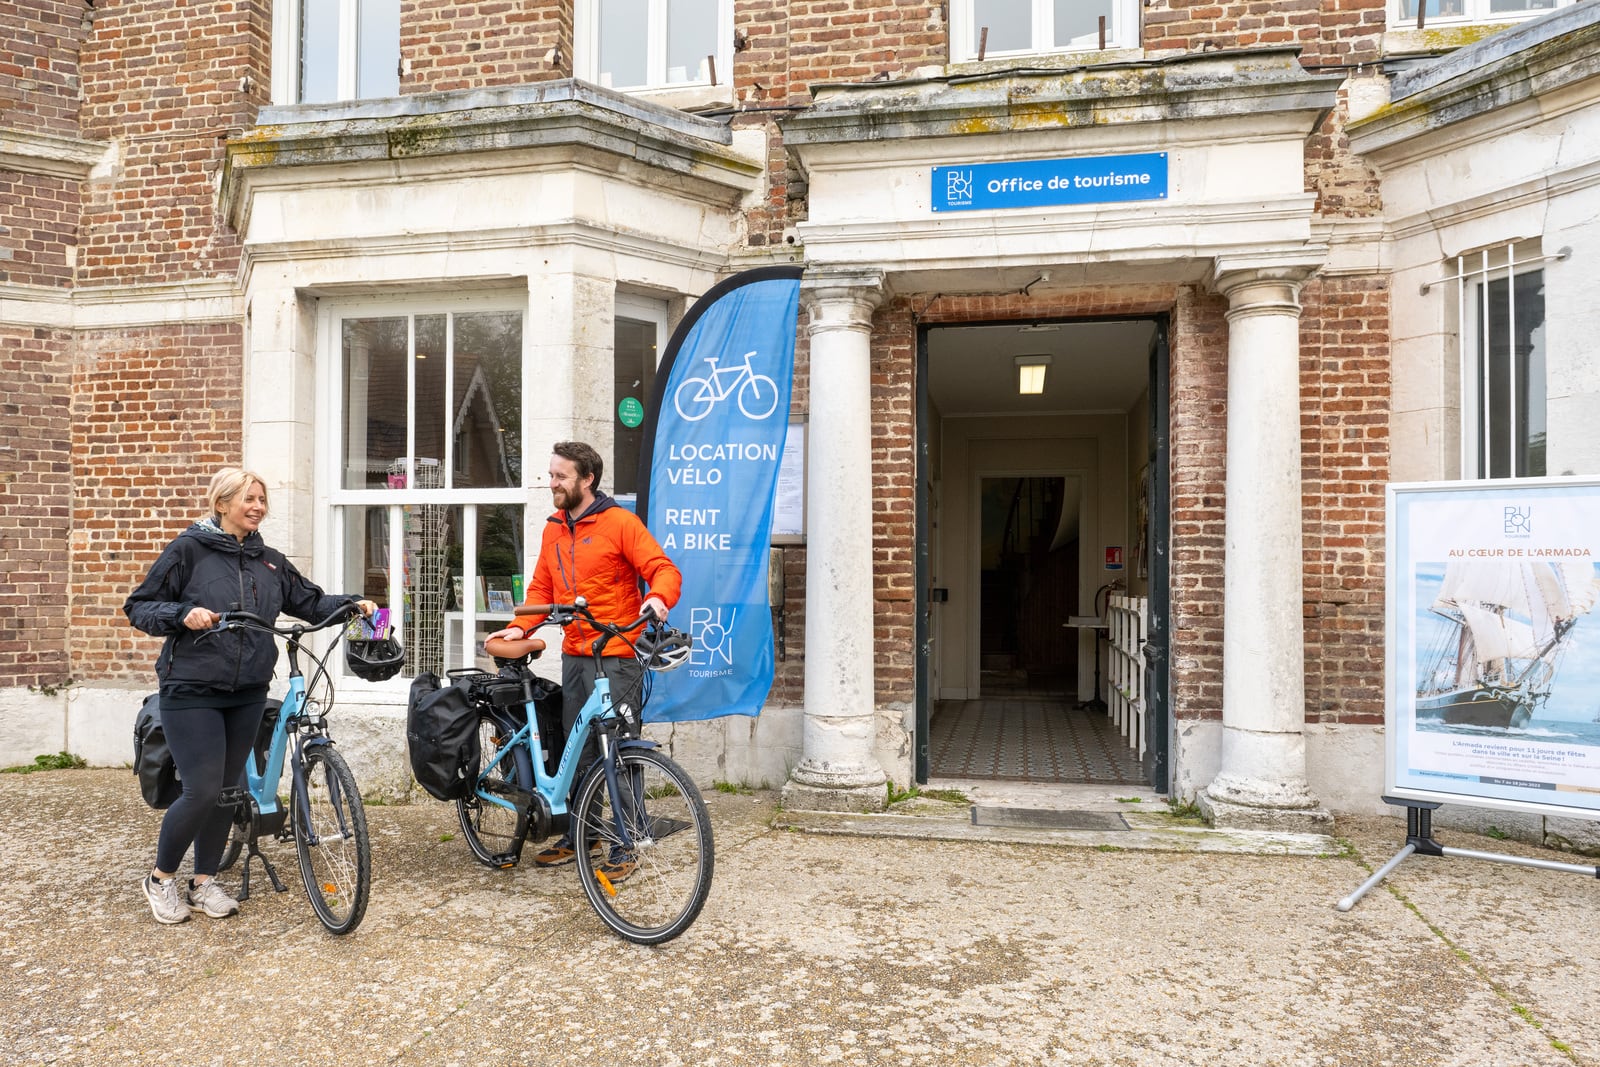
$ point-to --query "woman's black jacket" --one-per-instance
(207, 567)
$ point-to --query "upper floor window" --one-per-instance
(654, 44)
(1503, 386)
(1469, 10)
(328, 50)
(995, 29)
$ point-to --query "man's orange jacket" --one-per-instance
(600, 556)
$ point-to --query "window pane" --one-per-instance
(374, 356)
(1009, 22)
(378, 56)
(1446, 8)
(486, 416)
(623, 26)
(1513, 6)
(1516, 377)
(319, 51)
(432, 411)
(1077, 19)
(635, 362)
(691, 37)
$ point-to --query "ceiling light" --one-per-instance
(1030, 374)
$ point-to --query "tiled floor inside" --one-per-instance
(1028, 735)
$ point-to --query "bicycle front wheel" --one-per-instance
(490, 829)
(653, 891)
(330, 835)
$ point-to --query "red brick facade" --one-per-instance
(118, 430)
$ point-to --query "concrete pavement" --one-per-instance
(930, 941)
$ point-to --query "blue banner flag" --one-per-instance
(713, 441)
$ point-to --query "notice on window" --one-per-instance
(1494, 644)
(789, 505)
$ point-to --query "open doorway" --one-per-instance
(1033, 498)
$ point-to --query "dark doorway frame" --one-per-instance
(1157, 651)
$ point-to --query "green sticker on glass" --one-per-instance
(630, 411)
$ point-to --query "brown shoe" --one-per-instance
(561, 853)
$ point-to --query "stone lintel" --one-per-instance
(1263, 85)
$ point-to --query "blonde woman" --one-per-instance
(214, 685)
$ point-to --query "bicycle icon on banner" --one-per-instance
(758, 394)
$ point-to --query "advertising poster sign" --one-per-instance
(709, 470)
(1494, 644)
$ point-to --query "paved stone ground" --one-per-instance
(815, 948)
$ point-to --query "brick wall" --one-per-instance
(168, 83)
(1345, 184)
(472, 44)
(1328, 32)
(35, 502)
(38, 228)
(860, 40)
(39, 65)
(1199, 430)
(154, 414)
(1345, 408)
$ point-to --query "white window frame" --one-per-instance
(586, 48)
(1472, 273)
(333, 498)
(286, 51)
(1122, 31)
(644, 310)
(1472, 11)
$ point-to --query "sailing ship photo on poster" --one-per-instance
(1503, 626)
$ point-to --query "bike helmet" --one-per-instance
(663, 649)
(376, 659)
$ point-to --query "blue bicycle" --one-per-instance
(323, 813)
(647, 854)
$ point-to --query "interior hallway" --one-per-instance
(1026, 734)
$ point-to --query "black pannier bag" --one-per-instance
(442, 737)
(152, 759)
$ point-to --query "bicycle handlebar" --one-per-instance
(565, 614)
(229, 619)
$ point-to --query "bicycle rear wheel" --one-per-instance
(330, 835)
(652, 892)
(490, 829)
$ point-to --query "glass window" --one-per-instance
(329, 50)
(1505, 375)
(1469, 10)
(429, 511)
(654, 44)
(989, 29)
(433, 388)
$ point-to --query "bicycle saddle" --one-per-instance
(507, 648)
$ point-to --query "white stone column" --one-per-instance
(837, 769)
(1261, 784)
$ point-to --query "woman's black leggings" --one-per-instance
(209, 745)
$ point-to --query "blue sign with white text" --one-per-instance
(1050, 182)
(716, 428)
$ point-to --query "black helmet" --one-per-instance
(377, 659)
(663, 649)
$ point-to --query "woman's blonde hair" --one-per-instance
(228, 483)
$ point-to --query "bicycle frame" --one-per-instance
(261, 782)
(554, 788)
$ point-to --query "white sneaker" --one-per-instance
(212, 899)
(166, 900)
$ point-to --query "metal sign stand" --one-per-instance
(1419, 839)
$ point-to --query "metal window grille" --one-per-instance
(1500, 328)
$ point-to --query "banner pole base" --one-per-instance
(1419, 838)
